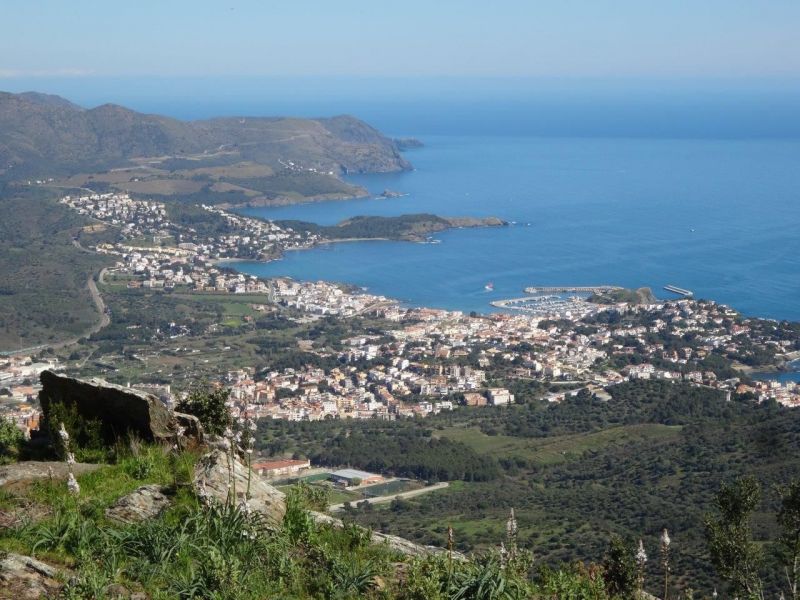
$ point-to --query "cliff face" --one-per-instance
(47, 135)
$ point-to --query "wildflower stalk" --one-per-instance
(641, 560)
(248, 440)
(665, 542)
(231, 467)
(177, 448)
(511, 535)
(450, 546)
(450, 543)
(72, 483)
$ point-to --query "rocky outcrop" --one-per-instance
(25, 577)
(190, 425)
(30, 470)
(215, 477)
(398, 544)
(147, 502)
(475, 222)
(407, 143)
(121, 410)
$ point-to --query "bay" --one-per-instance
(719, 217)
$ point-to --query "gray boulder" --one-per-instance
(25, 577)
(214, 472)
(121, 410)
(192, 428)
(146, 502)
(32, 470)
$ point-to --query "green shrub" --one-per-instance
(311, 497)
(86, 435)
(574, 583)
(140, 466)
(297, 523)
(621, 572)
(11, 440)
(208, 405)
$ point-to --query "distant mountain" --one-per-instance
(48, 99)
(43, 135)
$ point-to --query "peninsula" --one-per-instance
(412, 228)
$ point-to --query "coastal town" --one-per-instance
(427, 364)
(425, 360)
(436, 360)
(198, 263)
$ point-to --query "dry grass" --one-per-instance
(238, 170)
(164, 187)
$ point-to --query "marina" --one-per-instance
(586, 289)
(555, 301)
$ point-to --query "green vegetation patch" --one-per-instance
(395, 228)
(551, 450)
(43, 293)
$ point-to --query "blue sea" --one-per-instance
(694, 183)
(720, 217)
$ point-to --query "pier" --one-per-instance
(680, 291)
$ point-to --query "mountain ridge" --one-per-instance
(47, 135)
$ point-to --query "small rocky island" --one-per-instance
(407, 143)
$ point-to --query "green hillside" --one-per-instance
(43, 277)
(578, 472)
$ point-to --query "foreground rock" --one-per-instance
(33, 470)
(25, 577)
(213, 473)
(190, 427)
(121, 410)
(211, 477)
(147, 502)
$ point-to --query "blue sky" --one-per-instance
(604, 39)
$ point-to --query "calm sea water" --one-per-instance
(719, 217)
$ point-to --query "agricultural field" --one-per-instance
(180, 337)
(558, 449)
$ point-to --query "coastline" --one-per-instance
(514, 258)
(285, 201)
(366, 239)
